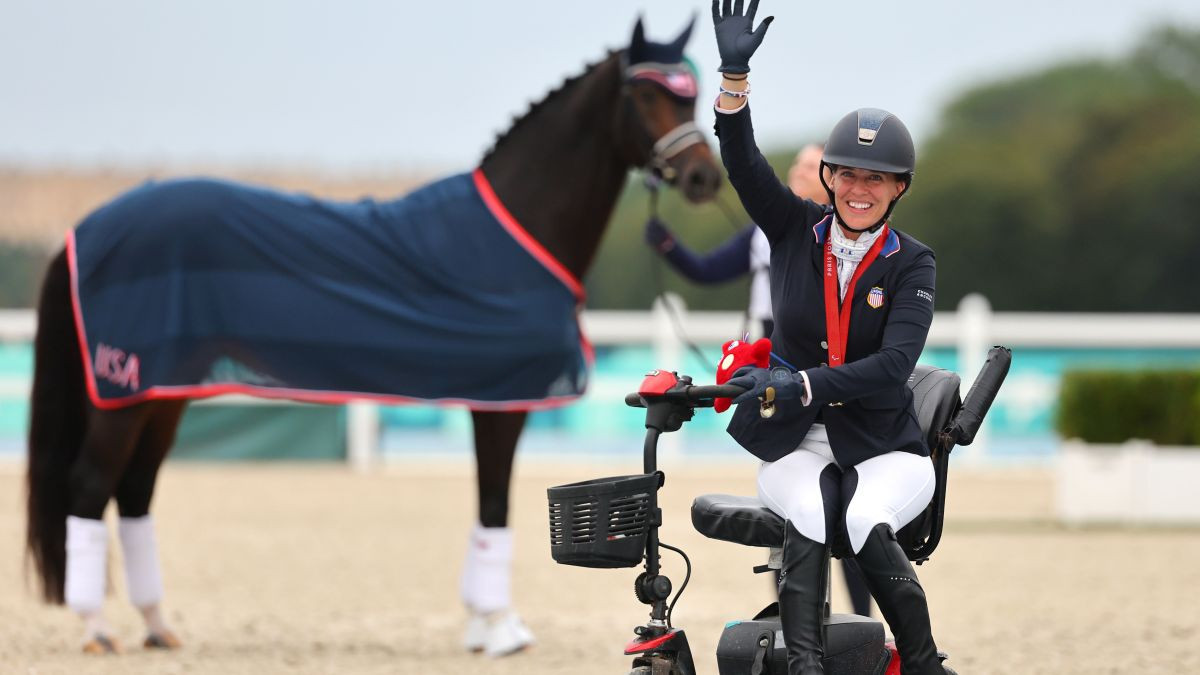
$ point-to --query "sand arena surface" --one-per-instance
(312, 569)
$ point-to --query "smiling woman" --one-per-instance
(863, 198)
(843, 461)
(867, 167)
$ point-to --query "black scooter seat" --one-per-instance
(741, 520)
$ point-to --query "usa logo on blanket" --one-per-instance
(875, 297)
(116, 366)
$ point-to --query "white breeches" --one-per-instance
(891, 489)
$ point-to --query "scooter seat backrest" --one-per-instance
(935, 400)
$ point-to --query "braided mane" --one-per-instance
(537, 106)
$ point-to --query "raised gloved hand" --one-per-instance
(658, 236)
(756, 380)
(736, 39)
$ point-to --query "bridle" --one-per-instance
(672, 143)
(680, 83)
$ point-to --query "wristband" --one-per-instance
(736, 94)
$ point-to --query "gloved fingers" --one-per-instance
(716, 13)
(748, 395)
(761, 32)
(753, 10)
(751, 379)
(744, 372)
(737, 7)
(726, 9)
(743, 381)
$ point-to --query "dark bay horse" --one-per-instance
(557, 171)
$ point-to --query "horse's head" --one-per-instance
(657, 128)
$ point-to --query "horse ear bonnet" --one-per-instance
(643, 51)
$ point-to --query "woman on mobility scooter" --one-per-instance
(843, 460)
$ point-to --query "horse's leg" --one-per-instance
(107, 447)
(143, 574)
(494, 627)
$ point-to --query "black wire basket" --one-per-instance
(601, 522)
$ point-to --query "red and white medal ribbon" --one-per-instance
(837, 318)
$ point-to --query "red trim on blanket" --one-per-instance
(301, 395)
(523, 237)
(89, 376)
(305, 396)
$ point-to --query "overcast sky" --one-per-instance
(382, 85)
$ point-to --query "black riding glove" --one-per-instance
(658, 236)
(756, 381)
(736, 41)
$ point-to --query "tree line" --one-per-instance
(1071, 188)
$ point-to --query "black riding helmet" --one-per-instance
(872, 139)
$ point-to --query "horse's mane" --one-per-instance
(537, 106)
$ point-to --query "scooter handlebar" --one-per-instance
(701, 395)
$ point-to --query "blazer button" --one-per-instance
(823, 364)
(824, 344)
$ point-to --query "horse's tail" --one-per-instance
(56, 427)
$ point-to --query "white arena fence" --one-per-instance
(969, 331)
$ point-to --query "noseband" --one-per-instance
(672, 143)
(678, 80)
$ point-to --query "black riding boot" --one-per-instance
(901, 599)
(802, 601)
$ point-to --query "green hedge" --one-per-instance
(21, 269)
(1161, 406)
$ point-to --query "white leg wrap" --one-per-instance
(87, 559)
(142, 573)
(486, 578)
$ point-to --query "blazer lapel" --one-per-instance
(887, 258)
(819, 232)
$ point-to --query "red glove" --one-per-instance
(736, 354)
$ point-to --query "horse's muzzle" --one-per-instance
(699, 179)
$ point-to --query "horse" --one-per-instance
(551, 181)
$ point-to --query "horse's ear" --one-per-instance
(638, 44)
(681, 41)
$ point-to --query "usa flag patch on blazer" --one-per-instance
(875, 297)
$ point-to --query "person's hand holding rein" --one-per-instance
(658, 236)
(736, 42)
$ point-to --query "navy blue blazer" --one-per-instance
(866, 404)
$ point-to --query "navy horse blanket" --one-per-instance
(193, 288)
